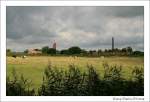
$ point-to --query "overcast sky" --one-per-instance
(87, 27)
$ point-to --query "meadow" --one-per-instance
(33, 67)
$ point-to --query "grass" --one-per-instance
(33, 67)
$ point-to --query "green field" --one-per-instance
(33, 67)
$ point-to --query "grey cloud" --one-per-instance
(123, 11)
(131, 11)
(88, 27)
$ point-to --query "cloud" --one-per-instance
(129, 11)
(87, 27)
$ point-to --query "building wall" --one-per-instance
(33, 51)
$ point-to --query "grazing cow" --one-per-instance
(24, 57)
(102, 57)
(14, 56)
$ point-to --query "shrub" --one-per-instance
(113, 80)
(74, 82)
(52, 82)
(18, 86)
(135, 86)
(93, 81)
(60, 82)
(112, 72)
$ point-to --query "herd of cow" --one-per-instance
(15, 56)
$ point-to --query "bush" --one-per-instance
(18, 87)
(74, 82)
(136, 83)
(52, 82)
(59, 82)
(93, 82)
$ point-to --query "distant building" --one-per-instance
(54, 45)
(33, 51)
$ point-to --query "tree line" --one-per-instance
(77, 51)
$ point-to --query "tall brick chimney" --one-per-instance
(112, 43)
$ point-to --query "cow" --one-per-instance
(102, 57)
(24, 57)
(14, 56)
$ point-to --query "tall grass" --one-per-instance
(74, 82)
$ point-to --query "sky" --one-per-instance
(90, 28)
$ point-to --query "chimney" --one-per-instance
(112, 43)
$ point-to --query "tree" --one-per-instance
(105, 51)
(74, 50)
(83, 52)
(51, 51)
(99, 52)
(26, 51)
(45, 49)
(8, 50)
(124, 50)
(129, 50)
(65, 51)
(138, 53)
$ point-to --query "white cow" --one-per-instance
(24, 56)
(102, 57)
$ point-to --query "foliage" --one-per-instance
(112, 72)
(33, 66)
(82, 80)
(136, 83)
(73, 82)
(65, 52)
(93, 82)
(26, 51)
(8, 50)
(51, 51)
(58, 82)
(138, 53)
(45, 49)
(18, 86)
(74, 50)
(53, 81)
